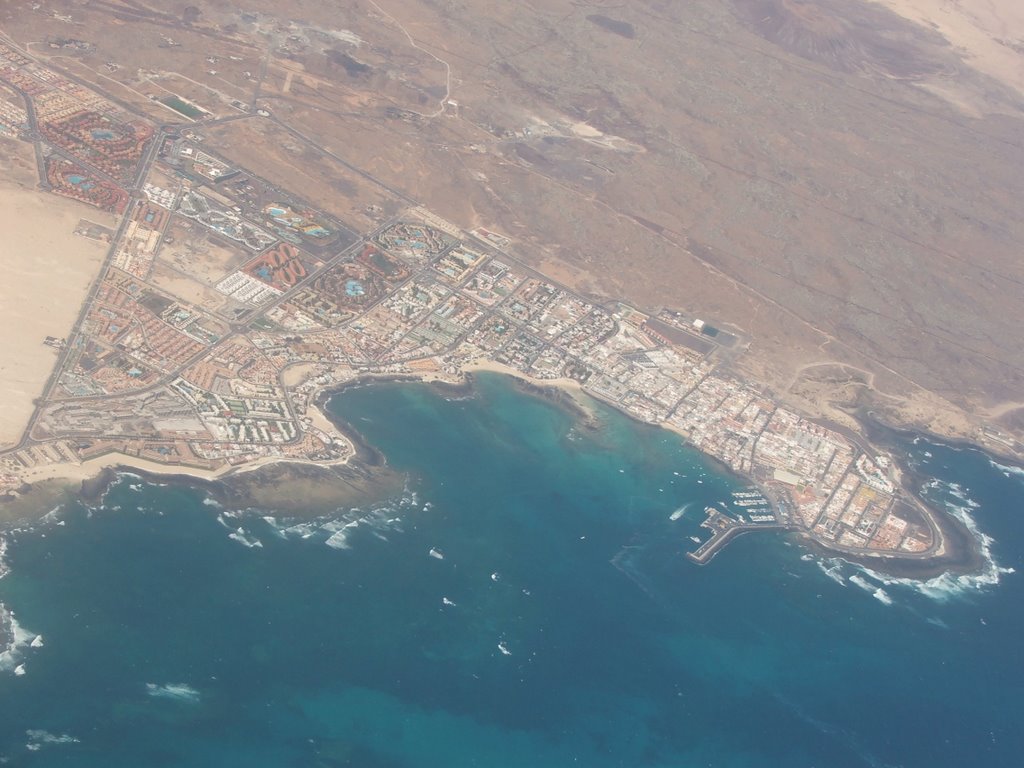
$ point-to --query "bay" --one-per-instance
(525, 601)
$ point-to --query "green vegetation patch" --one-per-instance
(182, 106)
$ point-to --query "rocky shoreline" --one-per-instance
(306, 489)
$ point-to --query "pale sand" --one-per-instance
(571, 387)
(319, 420)
(92, 467)
(47, 271)
(975, 27)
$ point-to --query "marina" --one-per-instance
(724, 528)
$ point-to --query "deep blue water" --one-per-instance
(169, 643)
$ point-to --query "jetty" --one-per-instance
(724, 528)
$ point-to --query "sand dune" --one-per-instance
(47, 271)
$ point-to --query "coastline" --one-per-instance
(293, 487)
(959, 551)
(887, 435)
(279, 481)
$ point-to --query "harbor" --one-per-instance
(755, 513)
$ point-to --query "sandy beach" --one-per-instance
(89, 469)
(48, 270)
(569, 387)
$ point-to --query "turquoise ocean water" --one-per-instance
(525, 602)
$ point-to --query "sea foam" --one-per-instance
(1007, 470)
(958, 503)
(339, 539)
(832, 567)
(245, 538)
(861, 582)
(17, 638)
(336, 529)
(882, 596)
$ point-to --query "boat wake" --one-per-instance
(173, 691)
(848, 738)
(38, 738)
(680, 512)
(1007, 470)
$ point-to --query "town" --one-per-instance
(227, 305)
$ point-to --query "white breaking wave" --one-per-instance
(1008, 471)
(4, 568)
(247, 539)
(174, 691)
(51, 516)
(339, 539)
(882, 596)
(832, 567)
(861, 582)
(18, 639)
(288, 531)
(272, 522)
(335, 530)
(949, 585)
(945, 586)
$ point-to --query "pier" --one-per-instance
(723, 530)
